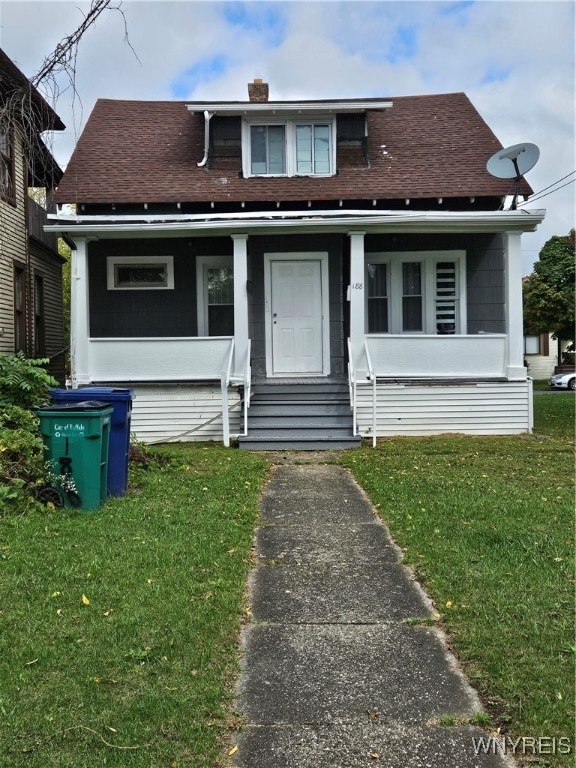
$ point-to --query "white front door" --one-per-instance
(296, 306)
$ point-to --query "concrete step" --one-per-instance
(250, 443)
(291, 421)
(299, 416)
(301, 410)
(299, 397)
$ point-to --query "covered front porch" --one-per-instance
(352, 281)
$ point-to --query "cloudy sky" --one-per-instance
(514, 59)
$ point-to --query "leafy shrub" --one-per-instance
(22, 468)
(24, 381)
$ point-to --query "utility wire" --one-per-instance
(539, 196)
(554, 184)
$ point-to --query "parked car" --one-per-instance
(563, 381)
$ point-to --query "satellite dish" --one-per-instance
(512, 163)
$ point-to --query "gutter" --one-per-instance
(207, 117)
(341, 221)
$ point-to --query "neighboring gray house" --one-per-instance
(31, 315)
(287, 255)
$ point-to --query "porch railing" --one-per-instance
(133, 360)
(397, 357)
(424, 357)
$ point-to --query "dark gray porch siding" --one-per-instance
(149, 313)
(174, 313)
(333, 245)
(485, 279)
(48, 266)
(486, 284)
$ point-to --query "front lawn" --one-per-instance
(488, 525)
(118, 628)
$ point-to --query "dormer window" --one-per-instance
(287, 147)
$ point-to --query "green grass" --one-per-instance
(118, 628)
(487, 523)
(140, 672)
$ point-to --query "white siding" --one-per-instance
(542, 366)
(181, 413)
(419, 408)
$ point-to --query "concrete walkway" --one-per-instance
(342, 666)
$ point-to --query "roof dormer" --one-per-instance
(286, 138)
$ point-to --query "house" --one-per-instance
(297, 272)
(31, 314)
(544, 355)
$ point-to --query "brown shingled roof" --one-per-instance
(147, 151)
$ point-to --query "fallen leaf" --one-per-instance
(233, 751)
(85, 600)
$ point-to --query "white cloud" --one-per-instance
(514, 59)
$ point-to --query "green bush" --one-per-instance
(22, 468)
(24, 381)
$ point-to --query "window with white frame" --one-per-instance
(215, 294)
(416, 292)
(137, 273)
(531, 345)
(289, 147)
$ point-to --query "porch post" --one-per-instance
(514, 317)
(79, 314)
(356, 293)
(240, 302)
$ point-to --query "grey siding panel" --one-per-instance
(149, 312)
(486, 285)
(50, 269)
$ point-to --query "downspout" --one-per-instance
(207, 118)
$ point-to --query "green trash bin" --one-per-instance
(76, 438)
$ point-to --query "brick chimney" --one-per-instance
(258, 90)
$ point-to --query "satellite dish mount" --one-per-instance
(512, 163)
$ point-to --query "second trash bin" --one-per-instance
(76, 438)
(121, 401)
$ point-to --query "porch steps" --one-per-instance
(299, 417)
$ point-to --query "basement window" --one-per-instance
(140, 273)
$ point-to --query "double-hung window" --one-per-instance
(215, 294)
(416, 293)
(268, 150)
(289, 148)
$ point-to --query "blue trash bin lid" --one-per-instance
(109, 393)
(85, 405)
